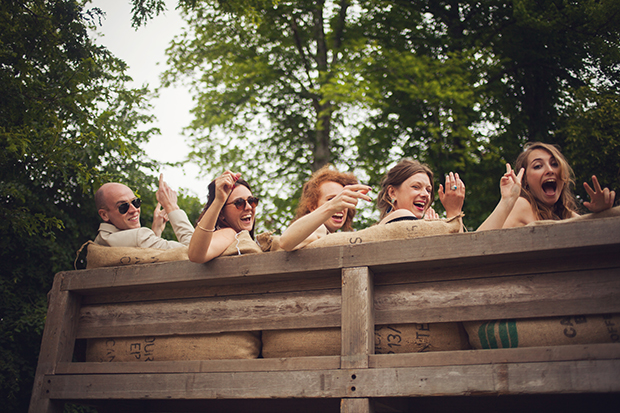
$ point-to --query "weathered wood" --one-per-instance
(357, 317)
(212, 315)
(590, 376)
(575, 292)
(607, 351)
(133, 294)
(203, 366)
(234, 385)
(57, 345)
(518, 273)
(356, 406)
(520, 244)
(583, 376)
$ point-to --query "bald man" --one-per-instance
(120, 210)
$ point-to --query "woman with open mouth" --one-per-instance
(230, 209)
(546, 192)
(407, 193)
(328, 203)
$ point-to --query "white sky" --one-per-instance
(144, 51)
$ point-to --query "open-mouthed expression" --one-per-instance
(239, 219)
(414, 194)
(544, 177)
(327, 191)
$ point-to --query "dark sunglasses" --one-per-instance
(240, 202)
(124, 207)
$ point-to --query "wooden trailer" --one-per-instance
(539, 271)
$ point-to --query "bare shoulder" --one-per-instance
(522, 214)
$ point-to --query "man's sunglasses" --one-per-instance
(124, 207)
(240, 202)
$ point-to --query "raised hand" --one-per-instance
(224, 185)
(348, 197)
(160, 217)
(510, 184)
(431, 214)
(166, 196)
(600, 199)
(453, 197)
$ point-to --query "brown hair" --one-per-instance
(312, 191)
(211, 198)
(566, 204)
(402, 171)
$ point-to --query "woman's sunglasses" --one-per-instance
(124, 207)
(240, 202)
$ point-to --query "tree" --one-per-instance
(461, 85)
(67, 123)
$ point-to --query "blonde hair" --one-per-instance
(566, 204)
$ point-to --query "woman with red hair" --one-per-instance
(327, 204)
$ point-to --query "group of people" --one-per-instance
(539, 190)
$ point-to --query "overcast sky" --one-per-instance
(144, 51)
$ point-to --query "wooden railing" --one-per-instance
(538, 271)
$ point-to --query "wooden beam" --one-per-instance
(57, 345)
(357, 317)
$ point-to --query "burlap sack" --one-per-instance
(391, 231)
(608, 213)
(420, 338)
(221, 346)
(301, 342)
(102, 256)
(244, 244)
(400, 338)
(550, 331)
(265, 240)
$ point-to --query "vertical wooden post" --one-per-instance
(56, 346)
(358, 328)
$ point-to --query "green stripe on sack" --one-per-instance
(491, 335)
(482, 335)
(508, 334)
(513, 333)
(486, 334)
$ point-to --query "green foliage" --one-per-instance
(283, 88)
(67, 124)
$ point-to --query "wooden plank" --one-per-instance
(582, 376)
(56, 346)
(607, 351)
(135, 293)
(524, 243)
(534, 242)
(356, 406)
(203, 366)
(233, 385)
(500, 265)
(266, 267)
(357, 317)
(575, 292)
(212, 315)
(585, 376)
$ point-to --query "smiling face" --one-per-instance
(327, 191)
(115, 194)
(544, 177)
(235, 218)
(413, 194)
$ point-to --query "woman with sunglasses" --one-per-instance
(230, 209)
(327, 204)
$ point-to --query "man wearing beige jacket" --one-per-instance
(120, 210)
